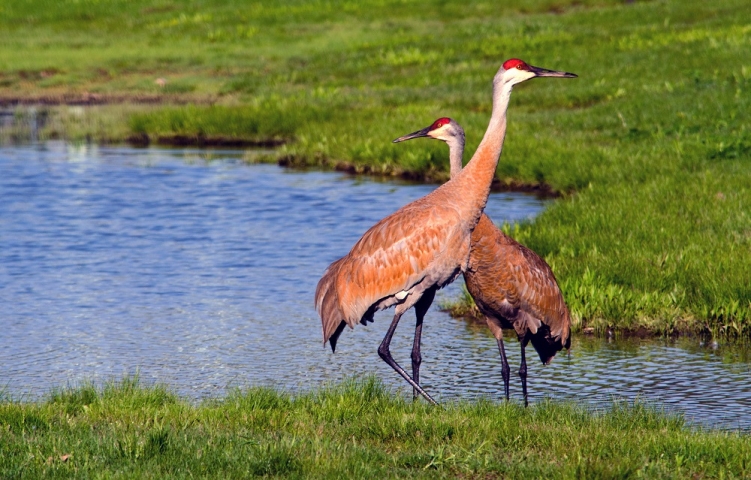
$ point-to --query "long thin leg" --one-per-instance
(416, 357)
(523, 370)
(495, 326)
(385, 354)
(505, 370)
(421, 308)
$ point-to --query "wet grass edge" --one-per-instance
(357, 427)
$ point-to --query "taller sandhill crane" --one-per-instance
(403, 259)
(511, 285)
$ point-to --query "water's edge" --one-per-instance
(196, 270)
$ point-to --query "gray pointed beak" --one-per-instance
(544, 72)
(417, 134)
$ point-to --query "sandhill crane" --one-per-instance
(403, 259)
(511, 285)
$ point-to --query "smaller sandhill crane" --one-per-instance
(402, 260)
(511, 285)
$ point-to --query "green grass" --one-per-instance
(354, 430)
(650, 147)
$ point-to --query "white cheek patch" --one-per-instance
(441, 133)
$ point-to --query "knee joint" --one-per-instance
(383, 352)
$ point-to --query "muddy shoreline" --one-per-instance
(460, 312)
(541, 190)
(76, 99)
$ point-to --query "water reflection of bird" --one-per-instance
(403, 259)
(511, 285)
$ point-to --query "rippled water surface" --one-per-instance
(198, 271)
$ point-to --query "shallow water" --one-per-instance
(196, 270)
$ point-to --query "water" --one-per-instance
(196, 270)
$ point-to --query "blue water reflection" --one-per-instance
(197, 270)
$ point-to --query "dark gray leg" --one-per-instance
(385, 354)
(523, 370)
(421, 308)
(505, 370)
(416, 357)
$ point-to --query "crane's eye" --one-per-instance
(520, 66)
(439, 123)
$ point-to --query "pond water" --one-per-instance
(196, 270)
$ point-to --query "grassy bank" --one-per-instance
(356, 430)
(650, 147)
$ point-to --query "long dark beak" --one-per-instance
(417, 134)
(544, 72)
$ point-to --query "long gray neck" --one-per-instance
(456, 153)
(475, 179)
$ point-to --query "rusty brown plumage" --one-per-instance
(403, 259)
(424, 242)
(512, 286)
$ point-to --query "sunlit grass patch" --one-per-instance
(271, 121)
(355, 428)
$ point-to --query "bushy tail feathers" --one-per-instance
(328, 307)
(548, 343)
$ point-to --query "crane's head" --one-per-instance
(515, 71)
(442, 129)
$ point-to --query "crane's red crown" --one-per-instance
(514, 63)
(440, 122)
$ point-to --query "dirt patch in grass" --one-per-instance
(471, 314)
(202, 141)
(88, 98)
(541, 190)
